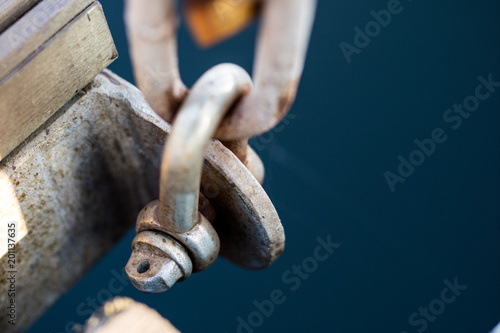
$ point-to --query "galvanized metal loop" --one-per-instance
(176, 212)
(198, 118)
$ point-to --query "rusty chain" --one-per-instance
(279, 60)
(174, 238)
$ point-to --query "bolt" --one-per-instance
(157, 262)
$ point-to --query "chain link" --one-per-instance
(279, 60)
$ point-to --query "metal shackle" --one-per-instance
(171, 231)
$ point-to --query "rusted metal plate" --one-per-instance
(251, 233)
(76, 186)
(78, 183)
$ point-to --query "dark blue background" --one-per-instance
(325, 176)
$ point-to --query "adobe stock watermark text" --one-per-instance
(421, 319)
(453, 119)
(292, 279)
(363, 36)
(11, 271)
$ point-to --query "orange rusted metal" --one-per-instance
(212, 21)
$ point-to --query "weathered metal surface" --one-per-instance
(252, 237)
(76, 185)
(282, 44)
(176, 214)
(283, 39)
(50, 71)
(152, 37)
(126, 316)
(201, 242)
(198, 118)
(157, 262)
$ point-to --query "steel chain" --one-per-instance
(174, 238)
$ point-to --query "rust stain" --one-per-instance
(286, 99)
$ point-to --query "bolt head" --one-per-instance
(157, 262)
